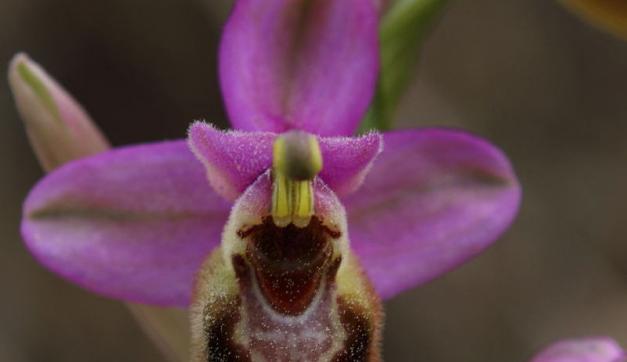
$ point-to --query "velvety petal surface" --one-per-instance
(433, 199)
(600, 349)
(347, 160)
(304, 64)
(134, 223)
(234, 159)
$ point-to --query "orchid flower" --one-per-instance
(599, 349)
(250, 228)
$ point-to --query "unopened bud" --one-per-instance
(58, 128)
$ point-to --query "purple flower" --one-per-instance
(285, 192)
(599, 349)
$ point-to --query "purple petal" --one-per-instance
(433, 199)
(309, 65)
(347, 160)
(133, 223)
(233, 159)
(600, 349)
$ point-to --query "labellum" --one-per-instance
(283, 285)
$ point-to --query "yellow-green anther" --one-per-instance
(304, 204)
(281, 213)
(296, 161)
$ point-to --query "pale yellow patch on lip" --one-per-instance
(610, 15)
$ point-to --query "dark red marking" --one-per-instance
(289, 262)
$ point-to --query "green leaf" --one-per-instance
(402, 32)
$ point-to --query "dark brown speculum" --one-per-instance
(288, 262)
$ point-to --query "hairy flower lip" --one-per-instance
(287, 256)
(288, 264)
(290, 286)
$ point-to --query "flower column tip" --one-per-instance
(296, 162)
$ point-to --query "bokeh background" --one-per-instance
(540, 83)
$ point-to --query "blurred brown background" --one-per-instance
(546, 87)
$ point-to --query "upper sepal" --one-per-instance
(299, 64)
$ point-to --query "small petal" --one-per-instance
(600, 349)
(433, 199)
(233, 159)
(58, 127)
(347, 160)
(134, 223)
(299, 64)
